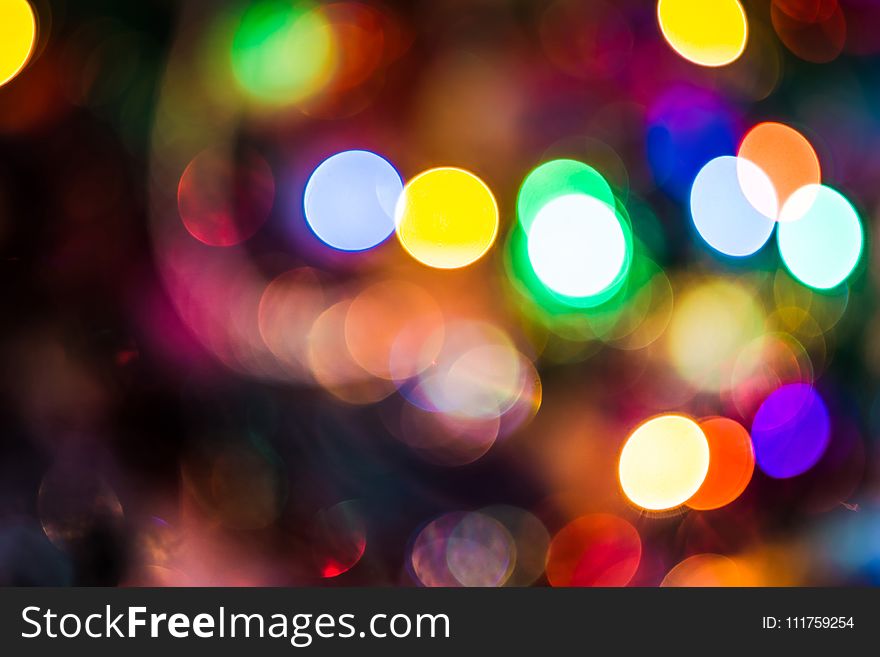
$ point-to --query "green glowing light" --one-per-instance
(282, 52)
(559, 178)
(526, 280)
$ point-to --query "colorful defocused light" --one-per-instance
(530, 542)
(664, 462)
(223, 202)
(687, 127)
(463, 549)
(447, 218)
(705, 570)
(558, 178)
(705, 33)
(711, 323)
(577, 246)
(725, 215)
(790, 431)
(331, 363)
(446, 438)
(477, 373)
(289, 306)
(282, 51)
(340, 538)
(427, 556)
(350, 198)
(480, 552)
(814, 30)
(822, 243)
(731, 463)
(594, 550)
(784, 155)
(394, 329)
(18, 32)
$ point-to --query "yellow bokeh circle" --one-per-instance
(664, 462)
(18, 32)
(705, 32)
(446, 218)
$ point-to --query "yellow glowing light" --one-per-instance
(18, 32)
(711, 324)
(446, 218)
(705, 33)
(664, 462)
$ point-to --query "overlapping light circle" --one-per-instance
(785, 156)
(664, 462)
(723, 214)
(731, 464)
(737, 201)
(578, 241)
(447, 218)
(823, 243)
(557, 178)
(596, 549)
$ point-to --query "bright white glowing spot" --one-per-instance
(724, 215)
(757, 188)
(664, 462)
(349, 200)
(577, 246)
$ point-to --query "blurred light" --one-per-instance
(784, 155)
(483, 382)
(577, 246)
(705, 33)
(725, 214)
(790, 431)
(340, 538)
(289, 306)
(664, 462)
(711, 323)
(427, 557)
(814, 30)
(447, 218)
(18, 33)
(463, 549)
(360, 34)
(705, 570)
(823, 244)
(731, 463)
(445, 438)
(763, 365)
(223, 202)
(394, 329)
(477, 372)
(558, 178)
(331, 363)
(349, 200)
(283, 51)
(687, 127)
(480, 552)
(530, 542)
(594, 550)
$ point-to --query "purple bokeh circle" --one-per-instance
(790, 431)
